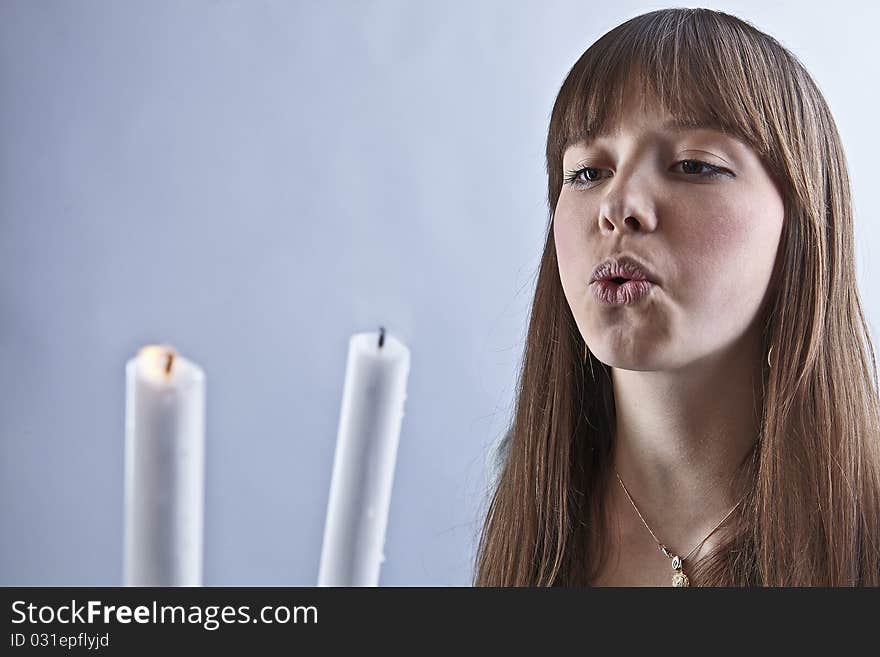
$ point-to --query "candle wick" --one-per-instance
(168, 363)
(381, 336)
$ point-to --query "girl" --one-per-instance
(698, 399)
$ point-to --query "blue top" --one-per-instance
(497, 456)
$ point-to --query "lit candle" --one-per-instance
(376, 374)
(164, 469)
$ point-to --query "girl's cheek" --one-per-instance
(565, 233)
(562, 239)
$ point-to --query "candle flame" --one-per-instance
(158, 359)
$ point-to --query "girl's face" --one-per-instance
(698, 208)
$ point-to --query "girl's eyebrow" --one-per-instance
(687, 124)
(675, 124)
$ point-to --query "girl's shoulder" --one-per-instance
(497, 457)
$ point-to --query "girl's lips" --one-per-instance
(624, 266)
(609, 293)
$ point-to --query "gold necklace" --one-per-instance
(679, 579)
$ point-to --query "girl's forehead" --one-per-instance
(633, 95)
(643, 103)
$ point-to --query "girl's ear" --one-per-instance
(775, 277)
(775, 283)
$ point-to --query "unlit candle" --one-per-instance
(373, 398)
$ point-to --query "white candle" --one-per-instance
(376, 374)
(164, 469)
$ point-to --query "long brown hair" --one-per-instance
(811, 516)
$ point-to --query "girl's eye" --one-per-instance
(695, 166)
(582, 178)
(585, 177)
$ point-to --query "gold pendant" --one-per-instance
(679, 579)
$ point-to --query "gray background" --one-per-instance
(254, 182)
